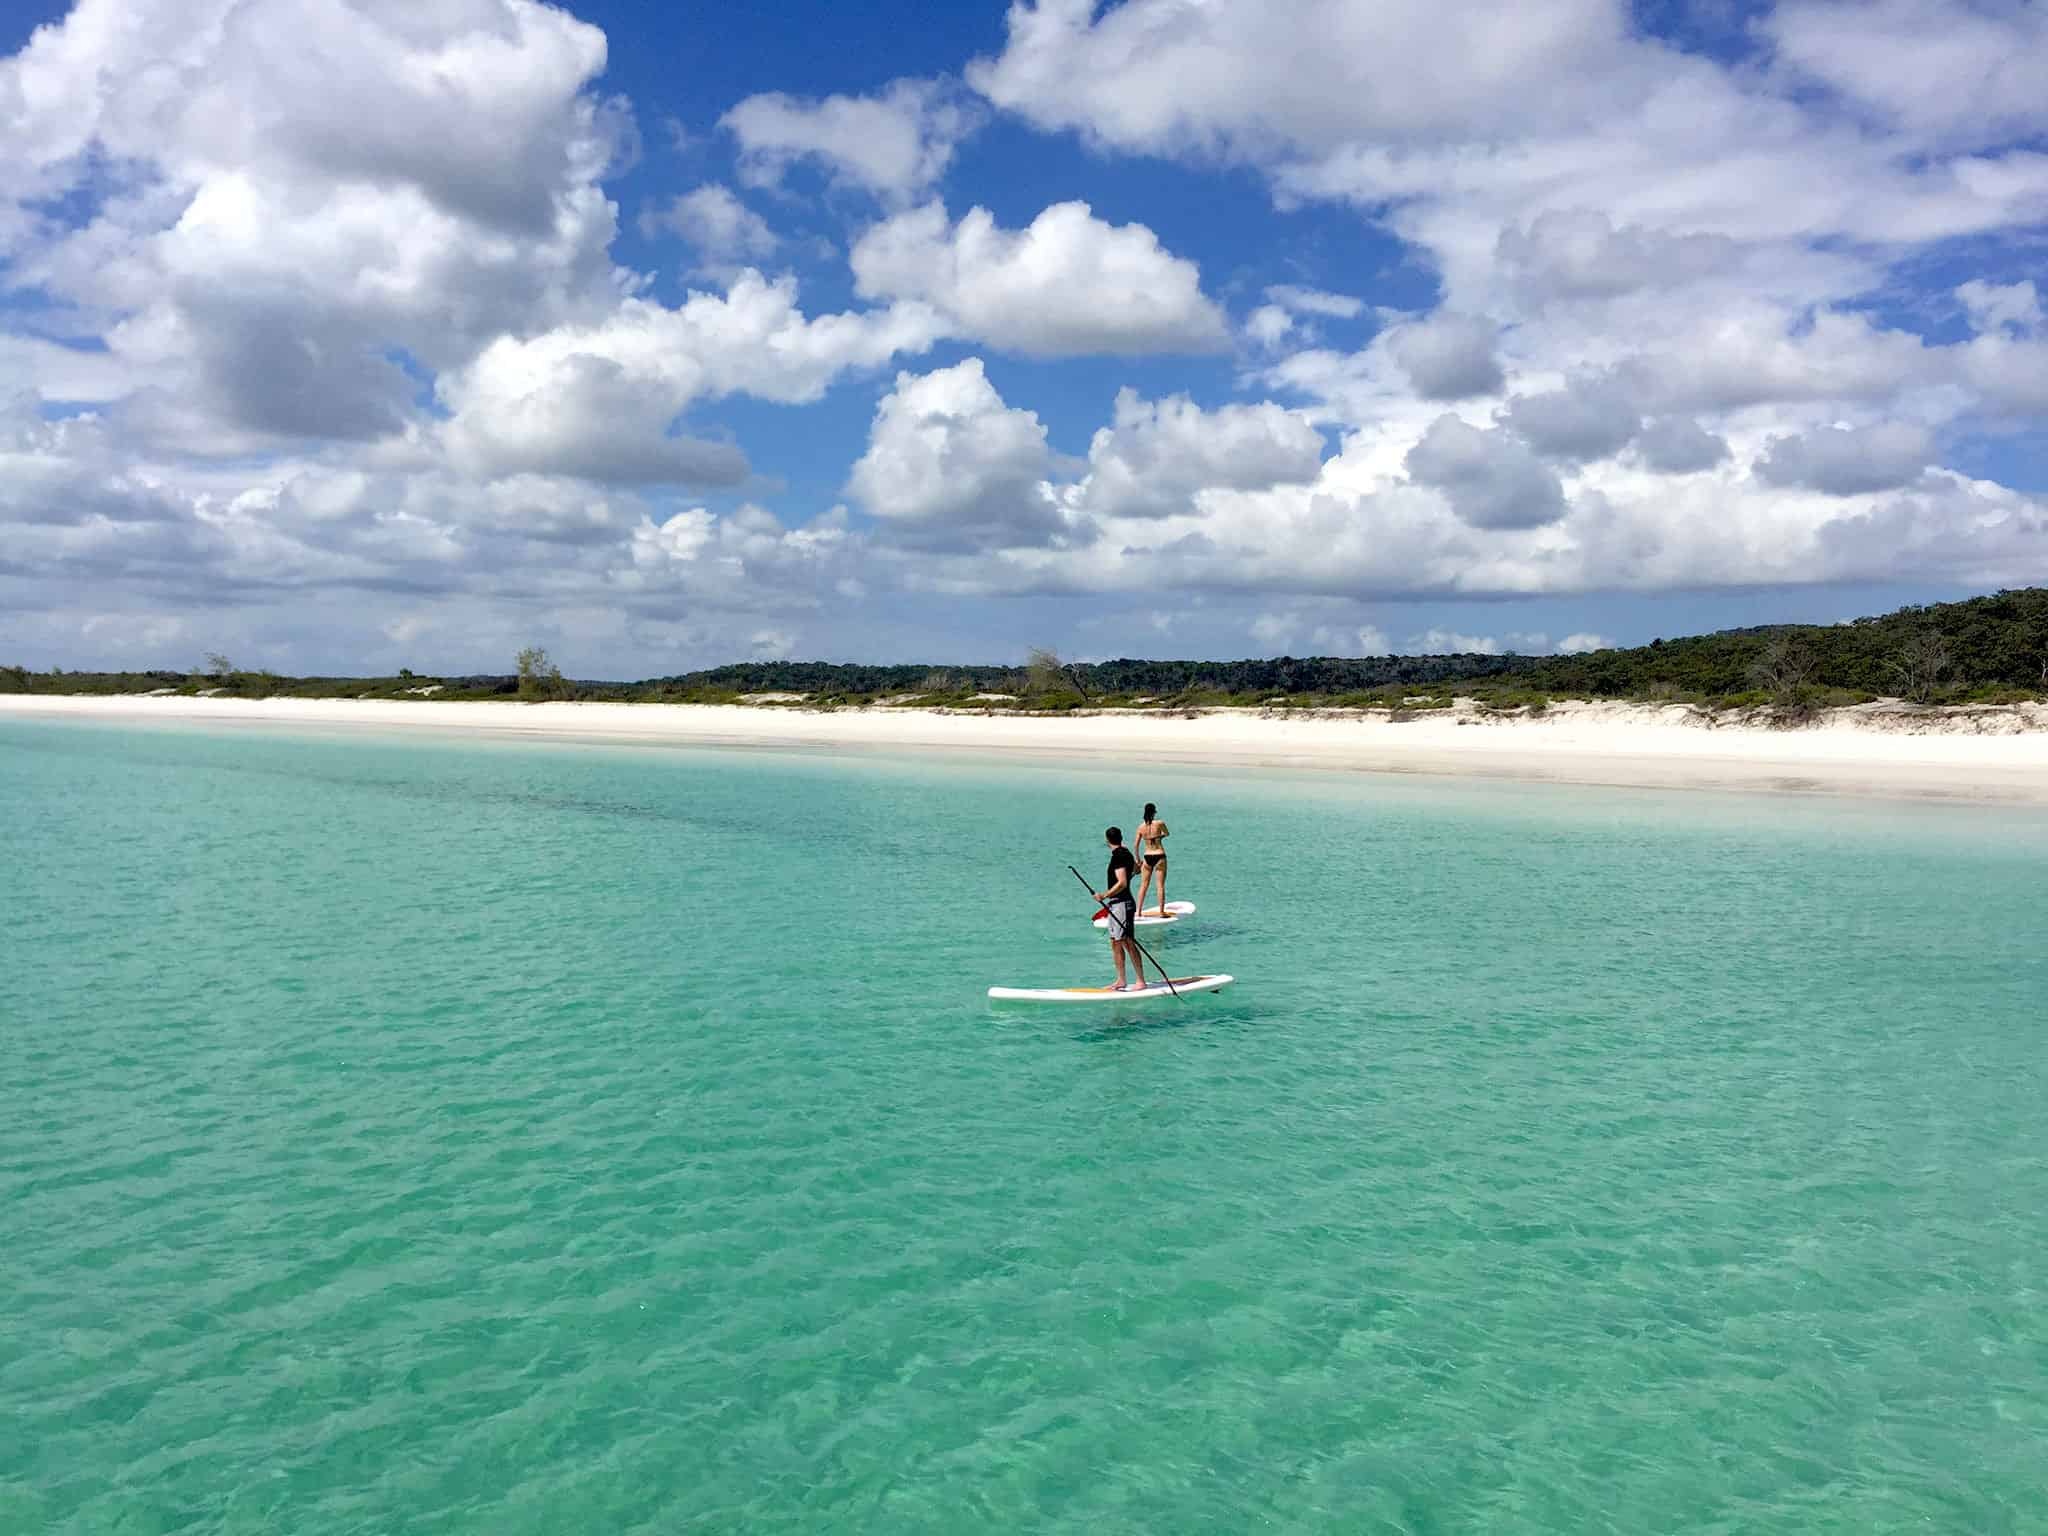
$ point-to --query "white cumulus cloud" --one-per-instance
(1965, 74)
(1490, 477)
(1678, 445)
(1448, 356)
(1997, 307)
(948, 463)
(1068, 285)
(1252, 80)
(711, 218)
(1268, 326)
(604, 399)
(1847, 461)
(301, 194)
(896, 145)
(1156, 455)
(1589, 418)
(1579, 253)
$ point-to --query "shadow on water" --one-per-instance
(1165, 1017)
(1185, 937)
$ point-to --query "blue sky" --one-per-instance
(344, 337)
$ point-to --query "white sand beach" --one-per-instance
(1985, 754)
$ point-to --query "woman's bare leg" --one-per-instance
(1162, 887)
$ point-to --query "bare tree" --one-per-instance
(218, 667)
(1782, 669)
(1921, 664)
(1044, 672)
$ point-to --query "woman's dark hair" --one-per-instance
(1115, 836)
(1151, 810)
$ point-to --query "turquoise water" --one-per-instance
(409, 1134)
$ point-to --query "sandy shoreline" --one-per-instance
(1989, 755)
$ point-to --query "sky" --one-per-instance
(346, 335)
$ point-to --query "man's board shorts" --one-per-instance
(1122, 918)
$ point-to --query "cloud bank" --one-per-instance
(324, 332)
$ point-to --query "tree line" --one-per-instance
(1922, 652)
(1984, 647)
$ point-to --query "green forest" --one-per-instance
(1984, 650)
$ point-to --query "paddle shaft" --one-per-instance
(1141, 949)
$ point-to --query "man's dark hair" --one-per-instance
(1115, 835)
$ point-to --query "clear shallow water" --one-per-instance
(460, 1138)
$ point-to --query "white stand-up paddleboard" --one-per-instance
(1150, 918)
(1183, 984)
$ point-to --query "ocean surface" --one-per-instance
(442, 1136)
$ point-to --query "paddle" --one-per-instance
(1163, 976)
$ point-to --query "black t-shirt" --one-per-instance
(1120, 858)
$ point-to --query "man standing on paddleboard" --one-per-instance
(1121, 906)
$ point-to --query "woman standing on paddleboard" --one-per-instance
(1152, 849)
(1121, 907)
